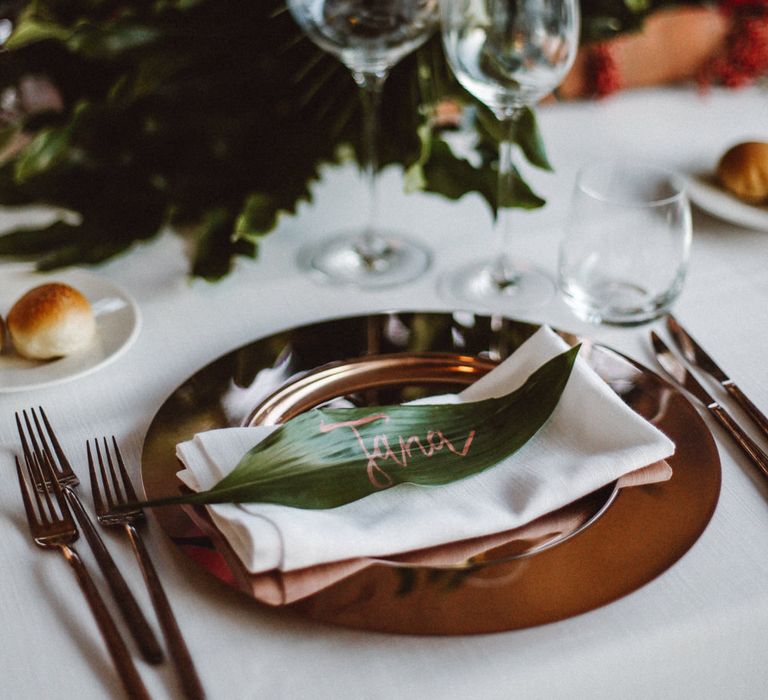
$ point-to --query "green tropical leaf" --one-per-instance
(25, 241)
(521, 195)
(257, 216)
(217, 244)
(451, 176)
(99, 41)
(31, 30)
(93, 39)
(528, 137)
(49, 147)
(328, 457)
(638, 6)
(524, 132)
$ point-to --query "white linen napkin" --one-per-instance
(591, 439)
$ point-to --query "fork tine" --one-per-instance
(31, 435)
(38, 478)
(105, 482)
(34, 521)
(127, 485)
(37, 451)
(44, 446)
(47, 476)
(60, 464)
(95, 490)
(23, 438)
(117, 491)
(65, 466)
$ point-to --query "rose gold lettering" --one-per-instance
(381, 450)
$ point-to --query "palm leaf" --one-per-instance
(328, 457)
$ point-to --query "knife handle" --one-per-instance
(754, 412)
(758, 457)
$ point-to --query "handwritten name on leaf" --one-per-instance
(381, 449)
(331, 456)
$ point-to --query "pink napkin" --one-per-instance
(277, 587)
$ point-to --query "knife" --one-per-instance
(697, 356)
(677, 370)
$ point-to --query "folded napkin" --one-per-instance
(591, 439)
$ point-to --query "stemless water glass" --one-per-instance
(508, 54)
(369, 37)
(625, 251)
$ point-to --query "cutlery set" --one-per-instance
(696, 356)
(54, 511)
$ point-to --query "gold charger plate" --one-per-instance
(618, 542)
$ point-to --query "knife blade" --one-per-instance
(698, 357)
(678, 371)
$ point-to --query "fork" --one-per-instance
(54, 528)
(112, 491)
(37, 442)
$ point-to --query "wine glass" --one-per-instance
(508, 54)
(369, 37)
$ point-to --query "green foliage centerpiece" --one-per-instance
(214, 117)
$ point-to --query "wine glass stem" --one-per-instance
(504, 273)
(371, 85)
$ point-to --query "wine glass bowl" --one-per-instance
(369, 37)
(511, 55)
(508, 54)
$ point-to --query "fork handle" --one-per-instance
(121, 657)
(177, 648)
(129, 608)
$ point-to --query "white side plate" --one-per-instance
(714, 200)
(117, 325)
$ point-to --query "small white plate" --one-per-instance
(705, 193)
(117, 325)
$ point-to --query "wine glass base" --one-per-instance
(346, 259)
(475, 285)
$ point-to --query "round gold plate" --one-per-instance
(614, 551)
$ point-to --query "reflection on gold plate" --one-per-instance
(611, 545)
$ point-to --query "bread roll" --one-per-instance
(50, 321)
(743, 171)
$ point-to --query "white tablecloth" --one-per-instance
(699, 630)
